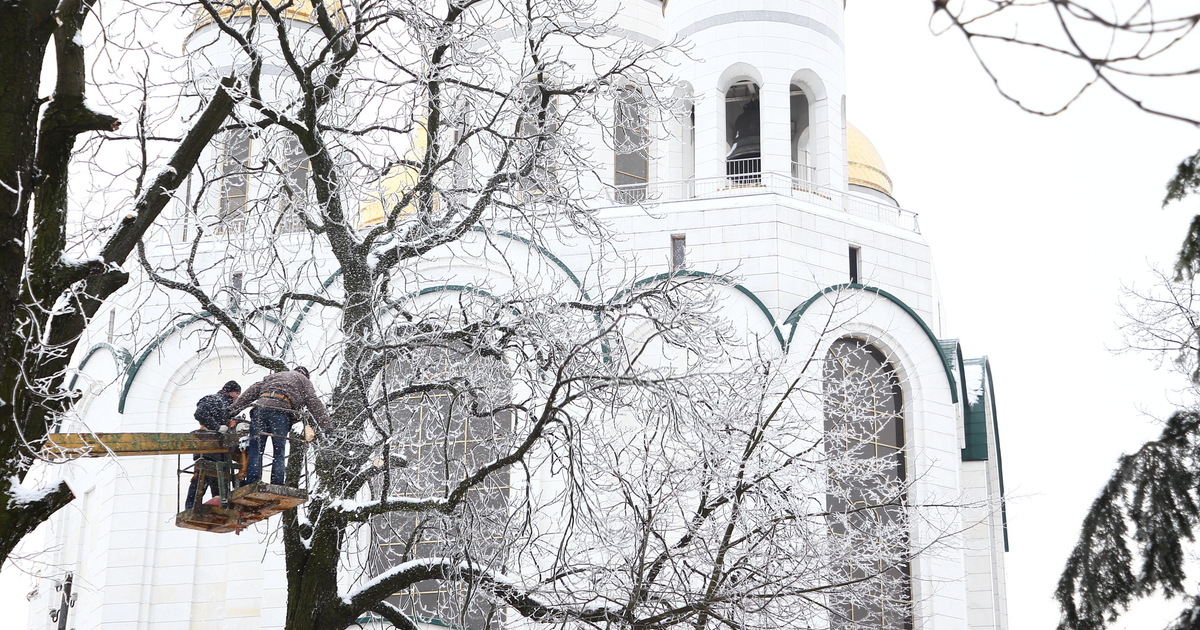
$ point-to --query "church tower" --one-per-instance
(756, 178)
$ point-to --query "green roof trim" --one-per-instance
(433, 621)
(549, 255)
(726, 279)
(793, 319)
(975, 420)
(133, 368)
(975, 426)
(132, 372)
(122, 356)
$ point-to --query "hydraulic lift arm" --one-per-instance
(74, 445)
(236, 508)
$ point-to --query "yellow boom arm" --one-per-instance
(73, 445)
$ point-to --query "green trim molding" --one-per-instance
(948, 362)
(704, 274)
(133, 368)
(975, 430)
(122, 356)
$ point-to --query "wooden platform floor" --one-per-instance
(248, 505)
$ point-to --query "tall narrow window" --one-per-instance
(802, 171)
(678, 251)
(631, 162)
(688, 137)
(431, 441)
(855, 264)
(539, 135)
(864, 421)
(743, 162)
(295, 168)
(235, 181)
(235, 289)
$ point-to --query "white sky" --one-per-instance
(1035, 224)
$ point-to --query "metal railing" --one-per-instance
(743, 172)
(797, 184)
(803, 173)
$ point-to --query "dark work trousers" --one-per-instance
(209, 482)
(276, 422)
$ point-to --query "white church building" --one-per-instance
(761, 179)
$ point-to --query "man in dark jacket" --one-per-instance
(277, 399)
(212, 412)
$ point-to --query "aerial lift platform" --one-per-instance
(232, 511)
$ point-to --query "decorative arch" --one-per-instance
(455, 288)
(122, 357)
(134, 365)
(812, 83)
(797, 313)
(704, 274)
(736, 72)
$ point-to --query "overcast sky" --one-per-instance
(1036, 224)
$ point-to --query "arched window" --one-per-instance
(294, 177)
(802, 170)
(687, 136)
(538, 142)
(430, 440)
(274, 169)
(631, 161)
(743, 161)
(235, 181)
(864, 420)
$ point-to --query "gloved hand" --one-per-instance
(243, 427)
(244, 442)
(223, 429)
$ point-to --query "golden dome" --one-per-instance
(864, 165)
(301, 10)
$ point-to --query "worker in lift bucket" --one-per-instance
(277, 400)
(212, 412)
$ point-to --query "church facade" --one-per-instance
(758, 177)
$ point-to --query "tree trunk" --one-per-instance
(312, 600)
(25, 30)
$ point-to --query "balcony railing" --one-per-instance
(797, 184)
(743, 172)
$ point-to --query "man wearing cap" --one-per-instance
(276, 400)
(212, 412)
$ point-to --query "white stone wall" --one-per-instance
(135, 569)
(773, 42)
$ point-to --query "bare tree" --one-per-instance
(1114, 45)
(1136, 537)
(58, 270)
(511, 441)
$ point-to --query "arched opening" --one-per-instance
(743, 134)
(802, 169)
(235, 168)
(864, 422)
(440, 414)
(294, 176)
(687, 135)
(538, 144)
(631, 159)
